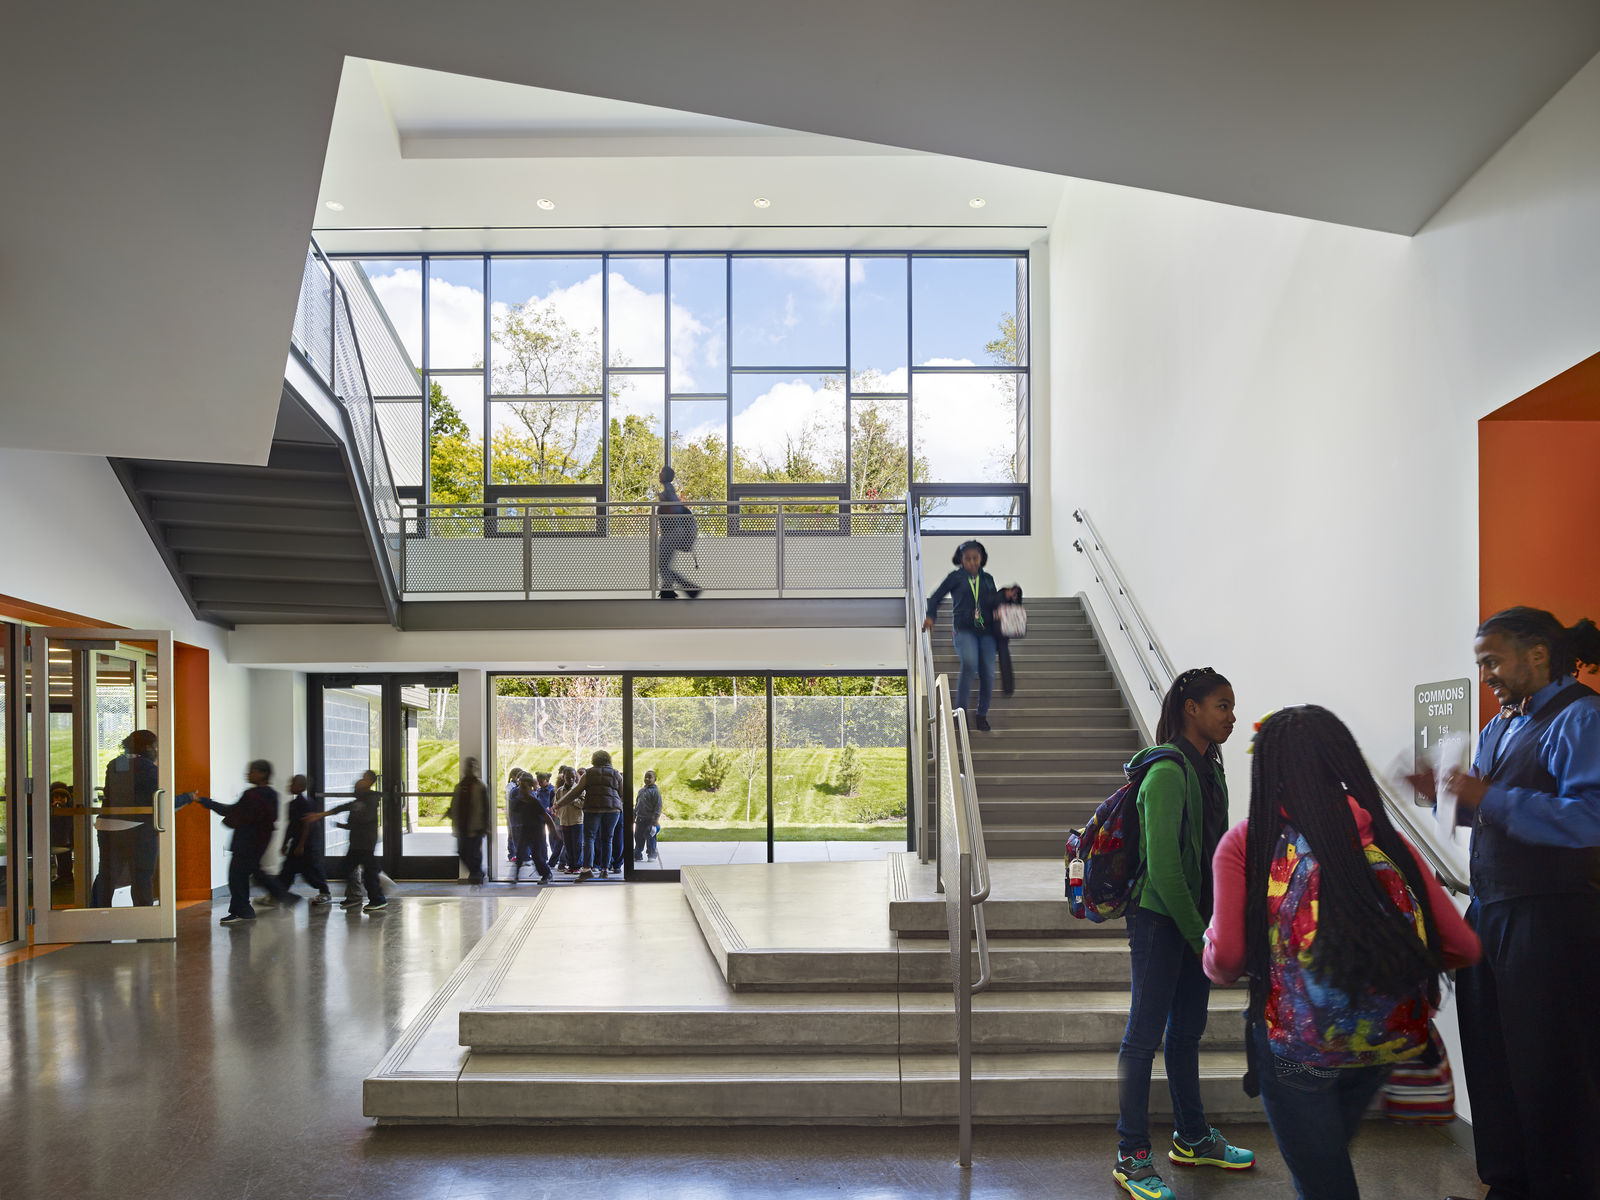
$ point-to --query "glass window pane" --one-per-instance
(455, 312)
(965, 311)
(706, 740)
(352, 742)
(699, 324)
(700, 448)
(637, 316)
(973, 514)
(966, 427)
(545, 326)
(430, 758)
(455, 451)
(788, 312)
(788, 429)
(878, 325)
(546, 441)
(878, 448)
(390, 290)
(839, 768)
(405, 439)
(547, 723)
(638, 417)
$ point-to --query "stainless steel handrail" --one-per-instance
(1405, 815)
(1157, 669)
(964, 875)
(1148, 634)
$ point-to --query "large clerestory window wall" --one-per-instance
(860, 376)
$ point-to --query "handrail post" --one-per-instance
(653, 552)
(780, 549)
(403, 540)
(527, 552)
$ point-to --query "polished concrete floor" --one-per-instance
(230, 1064)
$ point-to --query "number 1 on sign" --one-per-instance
(1424, 737)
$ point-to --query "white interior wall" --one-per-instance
(278, 734)
(74, 542)
(1273, 421)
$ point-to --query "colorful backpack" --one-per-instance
(1308, 1019)
(1103, 860)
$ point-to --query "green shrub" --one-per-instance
(714, 770)
(851, 771)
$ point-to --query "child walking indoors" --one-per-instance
(362, 853)
(973, 599)
(303, 842)
(1183, 810)
(1343, 931)
(252, 819)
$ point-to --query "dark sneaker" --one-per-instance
(322, 898)
(1211, 1151)
(1138, 1175)
(377, 906)
(981, 723)
(350, 902)
(667, 594)
(694, 593)
(230, 919)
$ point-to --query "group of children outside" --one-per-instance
(1345, 934)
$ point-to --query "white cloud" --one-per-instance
(767, 425)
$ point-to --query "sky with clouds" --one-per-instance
(789, 315)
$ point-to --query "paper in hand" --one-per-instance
(1451, 755)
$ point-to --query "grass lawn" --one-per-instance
(805, 792)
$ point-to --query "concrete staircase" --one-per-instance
(799, 993)
(1058, 745)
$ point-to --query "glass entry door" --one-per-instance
(404, 729)
(100, 702)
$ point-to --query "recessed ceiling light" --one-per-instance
(547, 205)
(763, 202)
(976, 202)
(335, 205)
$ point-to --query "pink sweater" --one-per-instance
(1224, 954)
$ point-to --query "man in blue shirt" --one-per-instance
(1529, 1033)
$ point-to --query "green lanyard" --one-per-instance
(977, 609)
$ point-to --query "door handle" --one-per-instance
(156, 806)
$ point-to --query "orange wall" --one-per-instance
(1539, 540)
(192, 730)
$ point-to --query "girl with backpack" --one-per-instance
(1343, 931)
(973, 599)
(1182, 811)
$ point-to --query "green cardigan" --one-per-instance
(1171, 883)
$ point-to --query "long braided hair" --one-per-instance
(1305, 764)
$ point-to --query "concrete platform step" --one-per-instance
(1053, 1087)
(1009, 1022)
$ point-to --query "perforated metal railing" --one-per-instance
(528, 548)
(324, 332)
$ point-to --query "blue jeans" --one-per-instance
(644, 839)
(572, 845)
(1314, 1113)
(529, 841)
(599, 834)
(1170, 993)
(976, 651)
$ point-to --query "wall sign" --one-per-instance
(1440, 711)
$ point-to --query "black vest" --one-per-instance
(1502, 866)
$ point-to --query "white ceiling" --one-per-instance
(164, 161)
(426, 160)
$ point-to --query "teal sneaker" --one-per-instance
(1211, 1151)
(1137, 1175)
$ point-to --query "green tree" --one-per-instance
(851, 771)
(714, 770)
(1006, 350)
(455, 457)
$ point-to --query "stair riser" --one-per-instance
(1091, 789)
(1048, 814)
(1008, 743)
(668, 1032)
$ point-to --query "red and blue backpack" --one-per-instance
(1108, 846)
(1308, 1019)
